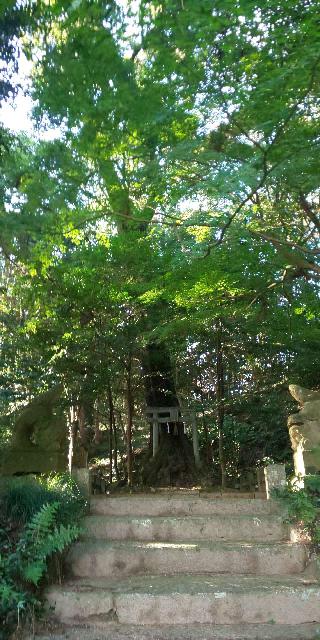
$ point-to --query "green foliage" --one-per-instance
(40, 540)
(13, 17)
(304, 506)
(180, 194)
(22, 498)
(34, 529)
(300, 505)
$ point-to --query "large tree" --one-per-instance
(180, 200)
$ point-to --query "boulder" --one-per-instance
(304, 431)
(40, 443)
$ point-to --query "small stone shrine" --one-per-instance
(171, 420)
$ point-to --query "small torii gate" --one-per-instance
(165, 415)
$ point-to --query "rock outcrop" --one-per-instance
(304, 431)
(40, 443)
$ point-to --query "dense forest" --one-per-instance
(160, 226)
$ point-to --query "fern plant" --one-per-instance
(42, 538)
(25, 563)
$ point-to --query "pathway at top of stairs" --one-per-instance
(156, 565)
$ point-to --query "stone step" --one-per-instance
(189, 599)
(180, 505)
(114, 631)
(215, 527)
(119, 559)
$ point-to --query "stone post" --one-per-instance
(275, 476)
(261, 480)
(83, 480)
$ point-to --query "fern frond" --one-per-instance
(43, 520)
(41, 540)
(33, 572)
(60, 538)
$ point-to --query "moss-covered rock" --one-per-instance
(39, 442)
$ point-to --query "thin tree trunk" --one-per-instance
(98, 435)
(111, 420)
(195, 440)
(123, 431)
(220, 402)
(209, 454)
(115, 440)
(80, 444)
(130, 408)
(71, 426)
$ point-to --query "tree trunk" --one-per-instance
(173, 462)
(80, 441)
(111, 420)
(158, 377)
(130, 409)
(209, 452)
(115, 440)
(71, 427)
(220, 402)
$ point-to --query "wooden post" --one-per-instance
(195, 441)
(155, 438)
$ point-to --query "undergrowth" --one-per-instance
(304, 507)
(39, 519)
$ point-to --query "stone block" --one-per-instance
(262, 528)
(144, 504)
(83, 480)
(118, 559)
(275, 477)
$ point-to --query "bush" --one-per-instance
(21, 498)
(304, 506)
(39, 520)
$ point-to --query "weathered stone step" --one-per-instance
(165, 505)
(175, 528)
(189, 599)
(119, 559)
(309, 631)
(114, 631)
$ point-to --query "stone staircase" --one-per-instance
(161, 565)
